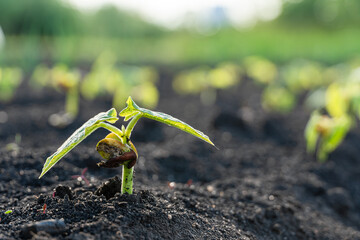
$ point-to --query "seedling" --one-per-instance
(324, 134)
(116, 148)
(261, 70)
(302, 75)
(109, 78)
(14, 147)
(81, 177)
(10, 79)
(278, 98)
(342, 103)
(66, 81)
(43, 210)
(205, 81)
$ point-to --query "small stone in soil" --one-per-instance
(52, 226)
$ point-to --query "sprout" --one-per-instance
(278, 99)
(324, 134)
(302, 75)
(64, 80)
(106, 78)
(67, 81)
(205, 81)
(260, 69)
(10, 79)
(116, 148)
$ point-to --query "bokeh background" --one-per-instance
(115, 48)
(188, 32)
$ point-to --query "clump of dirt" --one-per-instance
(61, 191)
(109, 188)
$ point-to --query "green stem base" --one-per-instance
(127, 180)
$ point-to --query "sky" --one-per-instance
(170, 14)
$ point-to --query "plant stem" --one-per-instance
(113, 129)
(72, 102)
(131, 125)
(127, 173)
(127, 180)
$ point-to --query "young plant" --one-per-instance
(342, 103)
(64, 80)
(324, 134)
(107, 77)
(278, 98)
(261, 70)
(10, 79)
(117, 148)
(67, 81)
(205, 81)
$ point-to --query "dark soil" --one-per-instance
(260, 184)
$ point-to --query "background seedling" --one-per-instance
(10, 79)
(205, 81)
(116, 148)
(64, 80)
(325, 133)
(82, 176)
(109, 78)
(261, 70)
(278, 98)
(44, 208)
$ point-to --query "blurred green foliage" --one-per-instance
(109, 21)
(204, 81)
(260, 69)
(66, 81)
(109, 78)
(38, 17)
(184, 48)
(322, 13)
(56, 18)
(10, 79)
(324, 134)
(43, 30)
(340, 109)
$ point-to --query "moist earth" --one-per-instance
(259, 184)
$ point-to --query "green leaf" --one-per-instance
(341, 127)
(311, 134)
(80, 134)
(132, 110)
(336, 103)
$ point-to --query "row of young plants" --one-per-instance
(105, 78)
(282, 85)
(332, 93)
(327, 127)
(327, 88)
